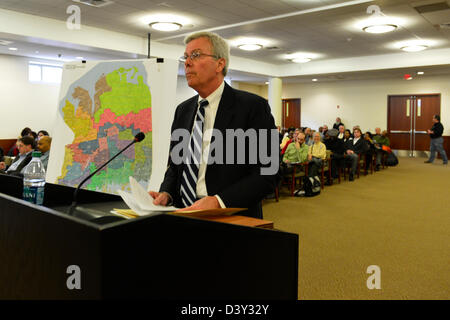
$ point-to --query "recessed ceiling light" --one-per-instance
(250, 46)
(414, 48)
(36, 51)
(420, 72)
(380, 28)
(267, 82)
(13, 49)
(165, 26)
(301, 60)
(314, 80)
(79, 58)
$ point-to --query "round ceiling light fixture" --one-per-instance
(165, 26)
(250, 46)
(380, 28)
(301, 59)
(414, 48)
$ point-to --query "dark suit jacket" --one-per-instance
(21, 165)
(359, 147)
(238, 185)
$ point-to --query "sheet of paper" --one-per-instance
(144, 200)
(131, 203)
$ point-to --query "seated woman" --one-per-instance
(347, 135)
(316, 155)
(371, 148)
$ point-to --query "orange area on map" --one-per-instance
(80, 157)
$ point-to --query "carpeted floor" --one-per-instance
(397, 219)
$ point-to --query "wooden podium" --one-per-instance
(162, 256)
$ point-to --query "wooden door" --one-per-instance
(400, 122)
(409, 118)
(426, 107)
(291, 113)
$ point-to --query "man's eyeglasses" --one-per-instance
(195, 55)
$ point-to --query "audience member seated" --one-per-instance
(353, 148)
(296, 132)
(347, 136)
(381, 139)
(33, 135)
(14, 151)
(25, 146)
(371, 148)
(308, 136)
(296, 152)
(317, 153)
(341, 132)
(337, 123)
(42, 133)
(287, 137)
(337, 147)
(43, 146)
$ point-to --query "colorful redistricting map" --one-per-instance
(105, 109)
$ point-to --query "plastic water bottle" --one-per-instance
(34, 180)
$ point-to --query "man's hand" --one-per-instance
(160, 198)
(309, 157)
(287, 161)
(2, 166)
(350, 151)
(208, 202)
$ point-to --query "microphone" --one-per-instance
(137, 138)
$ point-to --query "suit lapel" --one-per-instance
(225, 112)
(190, 114)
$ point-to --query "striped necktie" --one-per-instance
(192, 161)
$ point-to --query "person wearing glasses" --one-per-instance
(25, 146)
(221, 107)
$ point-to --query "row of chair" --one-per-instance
(300, 170)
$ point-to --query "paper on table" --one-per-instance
(131, 203)
(144, 200)
(140, 201)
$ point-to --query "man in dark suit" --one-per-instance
(25, 146)
(354, 148)
(205, 185)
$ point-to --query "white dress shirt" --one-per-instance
(355, 140)
(210, 117)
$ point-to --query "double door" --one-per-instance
(409, 118)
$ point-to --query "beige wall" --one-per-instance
(362, 102)
(22, 103)
(256, 89)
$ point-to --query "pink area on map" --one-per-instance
(141, 120)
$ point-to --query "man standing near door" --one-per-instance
(436, 143)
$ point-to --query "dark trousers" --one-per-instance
(313, 167)
(337, 162)
(352, 159)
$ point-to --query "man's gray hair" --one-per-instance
(219, 46)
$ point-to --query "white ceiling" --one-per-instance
(331, 33)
